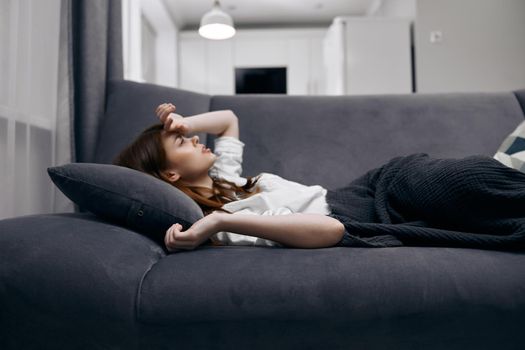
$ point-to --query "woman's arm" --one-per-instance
(298, 230)
(221, 123)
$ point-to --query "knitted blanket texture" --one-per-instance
(419, 200)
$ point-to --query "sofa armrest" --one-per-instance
(72, 271)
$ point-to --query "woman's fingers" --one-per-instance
(167, 124)
(179, 128)
(174, 126)
(163, 110)
(164, 114)
(167, 239)
(159, 107)
(175, 239)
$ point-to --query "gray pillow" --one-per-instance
(127, 197)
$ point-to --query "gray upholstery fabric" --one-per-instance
(126, 196)
(520, 95)
(131, 109)
(335, 298)
(70, 281)
(331, 140)
(61, 274)
(339, 284)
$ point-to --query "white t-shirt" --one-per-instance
(278, 196)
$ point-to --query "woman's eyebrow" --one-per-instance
(177, 136)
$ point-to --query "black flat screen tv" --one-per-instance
(260, 80)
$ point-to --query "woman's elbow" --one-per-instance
(232, 113)
(339, 231)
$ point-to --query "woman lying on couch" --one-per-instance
(413, 200)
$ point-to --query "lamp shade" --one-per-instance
(216, 24)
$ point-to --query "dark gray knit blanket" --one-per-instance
(419, 200)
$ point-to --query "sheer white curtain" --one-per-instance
(32, 116)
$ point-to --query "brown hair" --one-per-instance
(146, 154)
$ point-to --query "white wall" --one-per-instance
(368, 55)
(334, 69)
(150, 47)
(208, 66)
(396, 8)
(482, 47)
(29, 38)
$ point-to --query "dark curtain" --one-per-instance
(96, 39)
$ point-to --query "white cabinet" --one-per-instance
(220, 73)
(208, 66)
(369, 55)
(193, 65)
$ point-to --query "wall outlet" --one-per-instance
(436, 36)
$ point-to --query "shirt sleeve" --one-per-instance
(229, 152)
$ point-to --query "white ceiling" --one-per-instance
(257, 13)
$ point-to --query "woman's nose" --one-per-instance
(196, 139)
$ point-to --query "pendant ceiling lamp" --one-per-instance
(216, 24)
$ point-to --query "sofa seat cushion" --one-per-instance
(455, 286)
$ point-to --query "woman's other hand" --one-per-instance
(173, 122)
(197, 234)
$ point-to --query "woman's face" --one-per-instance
(186, 156)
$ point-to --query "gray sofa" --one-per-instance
(75, 281)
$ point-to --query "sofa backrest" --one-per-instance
(330, 140)
(326, 140)
(520, 95)
(130, 108)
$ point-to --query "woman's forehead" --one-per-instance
(167, 134)
(170, 136)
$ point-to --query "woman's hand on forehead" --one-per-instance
(177, 123)
(173, 122)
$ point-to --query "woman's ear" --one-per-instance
(171, 176)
